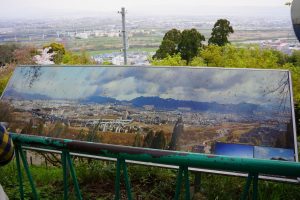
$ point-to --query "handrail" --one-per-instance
(253, 167)
(270, 167)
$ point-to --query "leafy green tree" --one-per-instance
(212, 55)
(169, 44)
(191, 41)
(59, 51)
(295, 58)
(173, 35)
(197, 61)
(231, 56)
(175, 60)
(74, 59)
(187, 43)
(220, 32)
(166, 48)
(282, 58)
(107, 62)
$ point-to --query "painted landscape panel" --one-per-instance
(175, 108)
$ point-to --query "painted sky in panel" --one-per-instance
(236, 150)
(275, 153)
(201, 84)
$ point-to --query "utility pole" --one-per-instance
(122, 12)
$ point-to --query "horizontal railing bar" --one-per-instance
(226, 173)
(227, 163)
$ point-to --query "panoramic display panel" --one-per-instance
(233, 112)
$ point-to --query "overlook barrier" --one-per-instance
(123, 154)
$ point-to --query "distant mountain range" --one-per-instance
(173, 104)
(157, 102)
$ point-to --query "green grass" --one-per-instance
(96, 180)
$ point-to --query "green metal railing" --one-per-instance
(253, 167)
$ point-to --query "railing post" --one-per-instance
(127, 180)
(254, 177)
(65, 173)
(73, 174)
(183, 171)
(187, 183)
(27, 171)
(117, 181)
(255, 186)
(21, 190)
(178, 183)
(121, 164)
(247, 187)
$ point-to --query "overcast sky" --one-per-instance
(202, 85)
(50, 8)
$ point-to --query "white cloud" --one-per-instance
(201, 84)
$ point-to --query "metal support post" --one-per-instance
(255, 186)
(26, 167)
(187, 183)
(19, 173)
(251, 177)
(65, 173)
(20, 153)
(183, 171)
(127, 180)
(117, 181)
(73, 174)
(121, 164)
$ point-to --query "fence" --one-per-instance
(253, 167)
